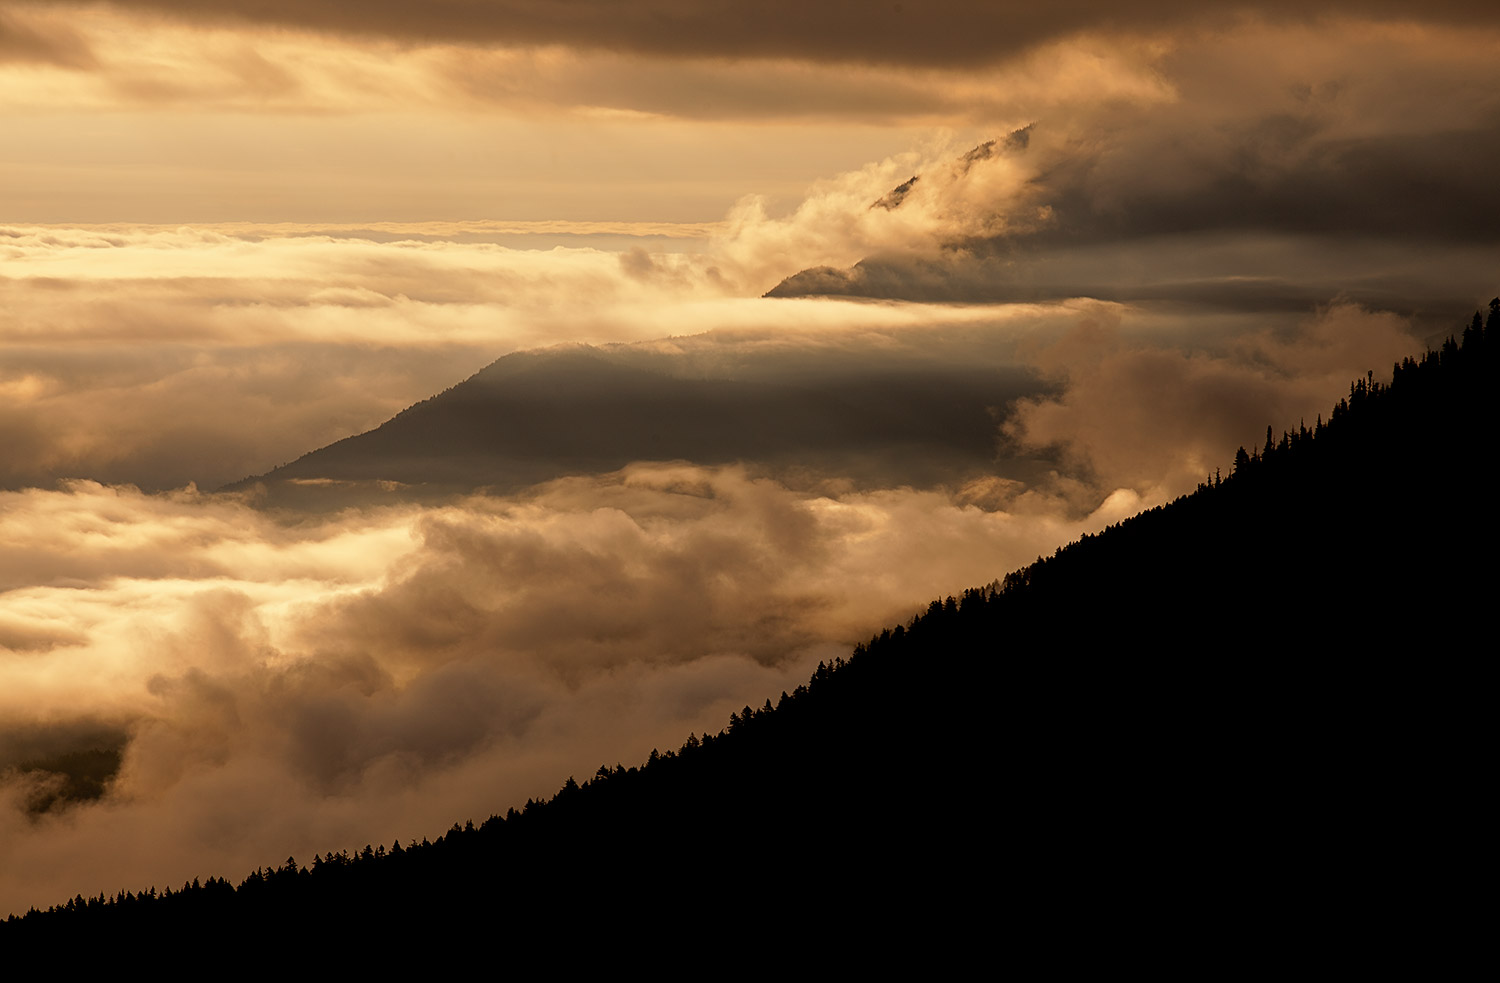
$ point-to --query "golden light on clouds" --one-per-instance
(232, 234)
(189, 621)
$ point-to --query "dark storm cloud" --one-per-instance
(1279, 173)
(940, 33)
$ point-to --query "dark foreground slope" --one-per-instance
(1246, 726)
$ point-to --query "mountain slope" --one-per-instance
(889, 418)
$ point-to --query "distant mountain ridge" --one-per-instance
(536, 415)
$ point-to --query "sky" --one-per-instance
(233, 233)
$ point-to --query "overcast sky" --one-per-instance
(231, 233)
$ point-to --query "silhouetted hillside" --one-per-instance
(1245, 720)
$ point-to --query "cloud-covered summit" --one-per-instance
(1304, 184)
(878, 407)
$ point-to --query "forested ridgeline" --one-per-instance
(1258, 709)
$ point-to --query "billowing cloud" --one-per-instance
(308, 684)
(1159, 420)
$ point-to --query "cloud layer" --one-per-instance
(305, 685)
